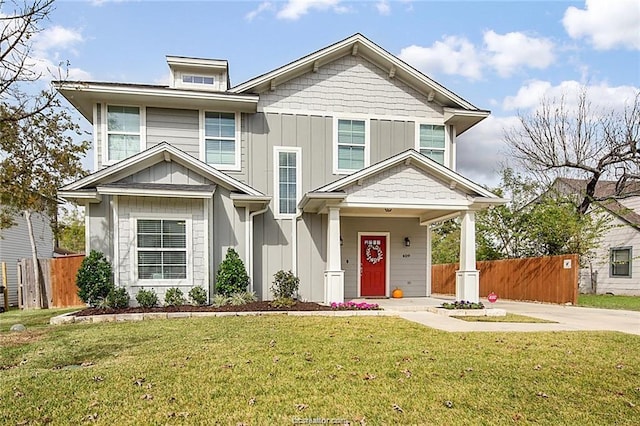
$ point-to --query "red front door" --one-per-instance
(373, 265)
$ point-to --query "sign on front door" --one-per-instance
(373, 265)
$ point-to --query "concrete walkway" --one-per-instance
(567, 318)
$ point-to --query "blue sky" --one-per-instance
(500, 55)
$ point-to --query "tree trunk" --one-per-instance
(41, 296)
(590, 192)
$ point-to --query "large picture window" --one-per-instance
(220, 143)
(123, 132)
(162, 249)
(431, 142)
(621, 262)
(288, 174)
(351, 145)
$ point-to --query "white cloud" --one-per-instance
(606, 23)
(383, 7)
(266, 5)
(57, 37)
(294, 9)
(452, 55)
(601, 95)
(506, 53)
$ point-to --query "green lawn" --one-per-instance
(607, 301)
(272, 369)
(507, 318)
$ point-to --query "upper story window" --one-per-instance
(197, 79)
(351, 145)
(621, 262)
(124, 137)
(287, 179)
(431, 142)
(221, 140)
(161, 249)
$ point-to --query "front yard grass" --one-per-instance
(608, 301)
(507, 318)
(274, 369)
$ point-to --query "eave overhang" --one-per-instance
(251, 202)
(463, 119)
(84, 95)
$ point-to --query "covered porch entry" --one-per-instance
(378, 227)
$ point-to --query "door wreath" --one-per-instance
(371, 248)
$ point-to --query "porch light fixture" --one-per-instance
(407, 242)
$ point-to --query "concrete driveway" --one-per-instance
(566, 318)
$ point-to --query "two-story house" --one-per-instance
(332, 166)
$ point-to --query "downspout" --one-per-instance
(250, 241)
(294, 242)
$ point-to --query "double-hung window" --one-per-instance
(162, 249)
(287, 179)
(431, 142)
(221, 140)
(123, 132)
(621, 262)
(351, 148)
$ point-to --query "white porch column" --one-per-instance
(333, 275)
(467, 277)
(429, 260)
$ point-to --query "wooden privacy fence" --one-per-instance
(552, 279)
(59, 282)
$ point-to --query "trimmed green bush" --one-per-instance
(147, 298)
(198, 296)
(117, 298)
(232, 276)
(285, 285)
(94, 279)
(219, 300)
(174, 297)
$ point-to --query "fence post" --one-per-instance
(5, 285)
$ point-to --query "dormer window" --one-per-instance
(197, 79)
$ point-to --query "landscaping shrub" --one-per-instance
(285, 285)
(219, 300)
(232, 276)
(237, 299)
(283, 302)
(147, 298)
(250, 296)
(462, 304)
(198, 296)
(174, 297)
(354, 306)
(117, 298)
(94, 279)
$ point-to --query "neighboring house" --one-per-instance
(615, 267)
(332, 166)
(15, 245)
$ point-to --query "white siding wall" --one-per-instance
(15, 244)
(350, 84)
(139, 206)
(620, 235)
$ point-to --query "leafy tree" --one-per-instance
(232, 276)
(71, 231)
(582, 141)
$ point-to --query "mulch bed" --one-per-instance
(264, 306)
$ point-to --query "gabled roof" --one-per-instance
(605, 193)
(357, 44)
(161, 152)
(413, 157)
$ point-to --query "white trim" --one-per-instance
(453, 166)
(445, 150)
(237, 166)
(106, 161)
(367, 144)
(276, 179)
(140, 192)
(87, 229)
(207, 260)
(387, 235)
(429, 261)
(116, 240)
(332, 114)
(96, 125)
(133, 258)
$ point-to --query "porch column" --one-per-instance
(333, 275)
(467, 277)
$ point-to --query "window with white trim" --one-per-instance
(621, 262)
(161, 249)
(351, 145)
(221, 140)
(197, 79)
(287, 179)
(123, 132)
(431, 142)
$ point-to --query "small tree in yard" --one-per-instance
(232, 276)
(94, 279)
